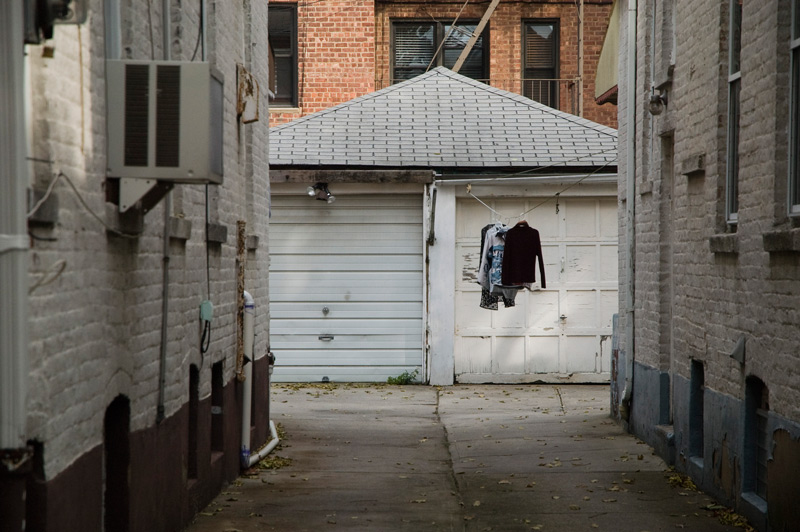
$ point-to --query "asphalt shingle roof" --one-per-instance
(442, 120)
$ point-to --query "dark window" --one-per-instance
(734, 90)
(418, 47)
(283, 48)
(794, 116)
(540, 61)
(696, 407)
(194, 403)
(756, 442)
(217, 401)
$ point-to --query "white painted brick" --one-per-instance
(95, 330)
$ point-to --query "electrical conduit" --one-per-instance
(630, 218)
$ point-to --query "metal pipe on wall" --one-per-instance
(13, 231)
(162, 376)
(630, 214)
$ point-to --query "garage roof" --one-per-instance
(442, 120)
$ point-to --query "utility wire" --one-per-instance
(452, 27)
(83, 203)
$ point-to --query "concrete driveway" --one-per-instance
(462, 458)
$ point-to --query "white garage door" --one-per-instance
(558, 334)
(346, 287)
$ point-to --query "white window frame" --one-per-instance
(734, 113)
(794, 117)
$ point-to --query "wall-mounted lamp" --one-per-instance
(321, 192)
(658, 100)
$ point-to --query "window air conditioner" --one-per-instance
(164, 121)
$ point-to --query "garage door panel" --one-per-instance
(347, 326)
(581, 353)
(581, 264)
(580, 216)
(341, 262)
(339, 373)
(542, 310)
(361, 260)
(509, 318)
(354, 357)
(542, 354)
(473, 355)
(608, 220)
(349, 310)
(609, 302)
(469, 314)
(509, 354)
(580, 308)
(609, 264)
(290, 343)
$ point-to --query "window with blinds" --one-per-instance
(415, 43)
(540, 58)
(283, 46)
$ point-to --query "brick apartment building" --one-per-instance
(117, 412)
(326, 53)
(709, 334)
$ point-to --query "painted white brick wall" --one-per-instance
(718, 297)
(95, 330)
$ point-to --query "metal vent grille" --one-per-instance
(168, 116)
(137, 92)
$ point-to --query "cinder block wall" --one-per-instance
(95, 328)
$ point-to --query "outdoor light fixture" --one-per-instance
(658, 100)
(321, 192)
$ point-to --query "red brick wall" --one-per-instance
(505, 42)
(345, 45)
(336, 55)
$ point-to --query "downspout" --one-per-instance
(13, 241)
(162, 378)
(630, 218)
(249, 459)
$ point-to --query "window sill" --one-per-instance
(781, 241)
(287, 110)
(724, 243)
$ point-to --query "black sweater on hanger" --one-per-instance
(523, 246)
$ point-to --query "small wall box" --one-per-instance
(164, 121)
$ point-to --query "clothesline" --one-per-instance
(555, 196)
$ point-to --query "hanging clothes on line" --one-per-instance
(490, 268)
(522, 248)
(508, 263)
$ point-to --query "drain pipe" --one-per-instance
(630, 214)
(249, 459)
(13, 237)
(162, 377)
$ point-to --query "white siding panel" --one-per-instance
(346, 287)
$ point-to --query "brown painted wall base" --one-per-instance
(162, 497)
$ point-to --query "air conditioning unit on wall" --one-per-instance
(164, 121)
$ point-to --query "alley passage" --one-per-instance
(462, 458)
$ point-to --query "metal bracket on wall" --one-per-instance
(131, 190)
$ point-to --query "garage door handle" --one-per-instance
(326, 337)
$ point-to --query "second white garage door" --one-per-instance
(346, 287)
(559, 334)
